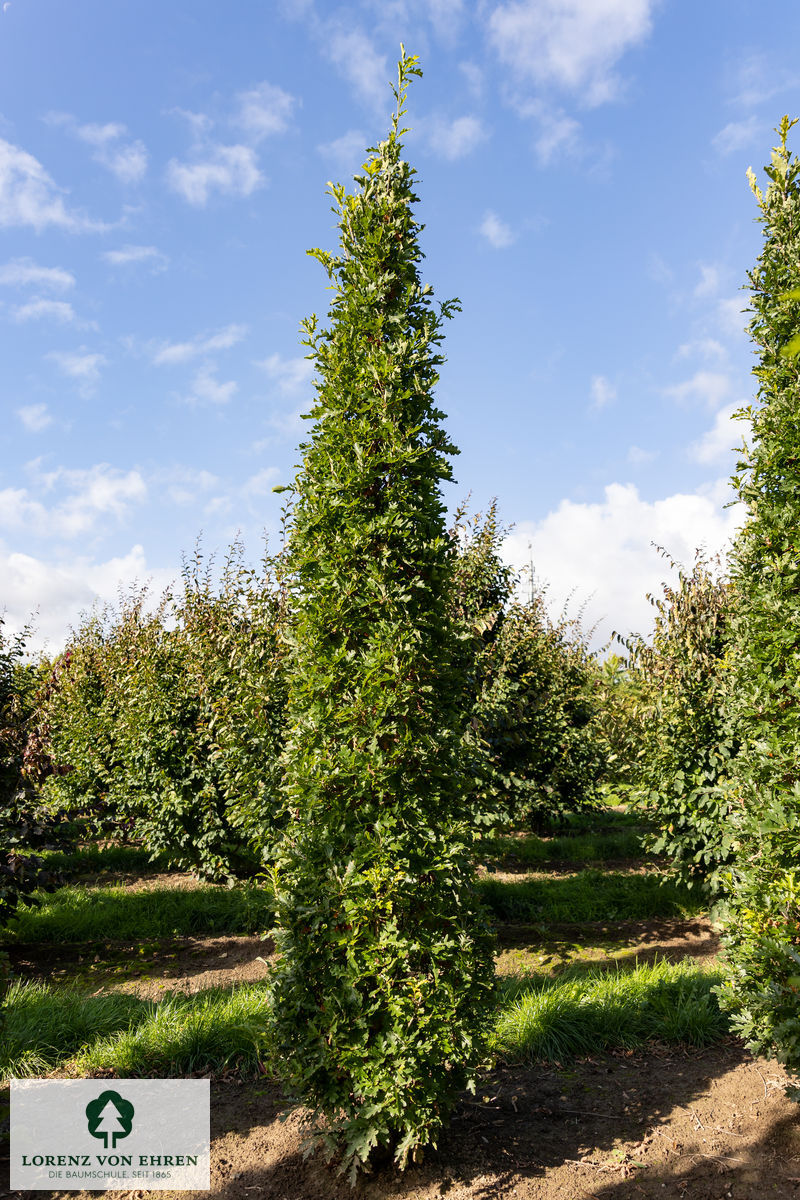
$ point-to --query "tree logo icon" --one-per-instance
(109, 1116)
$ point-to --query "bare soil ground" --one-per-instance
(714, 1125)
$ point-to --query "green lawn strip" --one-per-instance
(581, 1013)
(93, 914)
(539, 1019)
(590, 896)
(43, 1026)
(92, 860)
(585, 847)
(47, 1028)
(83, 914)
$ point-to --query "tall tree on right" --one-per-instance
(763, 939)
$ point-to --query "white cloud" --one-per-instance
(136, 254)
(28, 195)
(37, 309)
(457, 138)
(35, 417)
(710, 387)
(20, 272)
(207, 389)
(262, 483)
(91, 495)
(127, 160)
(346, 152)
(556, 130)
(708, 282)
(705, 348)
(171, 353)
(474, 77)
(715, 446)
(571, 44)
(62, 590)
(736, 135)
(445, 16)
(229, 170)
(264, 109)
(732, 316)
(601, 553)
(496, 231)
(602, 391)
(357, 60)
(291, 374)
(199, 123)
(637, 457)
(185, 485)
(80, 365)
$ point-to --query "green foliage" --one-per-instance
(619, 701)
(535, 715)
(530, 739)
(24, 827)
(171, 721)
(686, 747)
(763, 936)
(383, 986)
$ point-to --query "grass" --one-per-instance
(539, 1020)
(587, 1012)
(47, 1028)
(81, 914)
(92, 860)
(589, 896)
(586, 847)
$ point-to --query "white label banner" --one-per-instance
(110, 1134)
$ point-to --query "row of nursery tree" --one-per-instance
(165, 722)
(350, 718)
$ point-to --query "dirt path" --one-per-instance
(714, 1125)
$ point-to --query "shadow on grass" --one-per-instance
(589, 896)
(78, 914)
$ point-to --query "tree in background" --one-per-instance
(531, 738)
(685, 749)
(763, 934)
(382, 991)
(24, 826)
(167, 722)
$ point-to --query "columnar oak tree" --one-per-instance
(763, 944)
(383, 987)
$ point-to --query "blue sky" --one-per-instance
(582, 180)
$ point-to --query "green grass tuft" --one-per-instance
(91, 860)
(553, 1020)
(589, 896)
(539, 1019)
(585, 847)
(42, 1026)
(208, 1031)
(81, 914)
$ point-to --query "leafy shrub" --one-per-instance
(763, 934)
(24, 827)
(171, 720)
(382, 991)
(531, 739)
(619, 704)
(686, 747)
